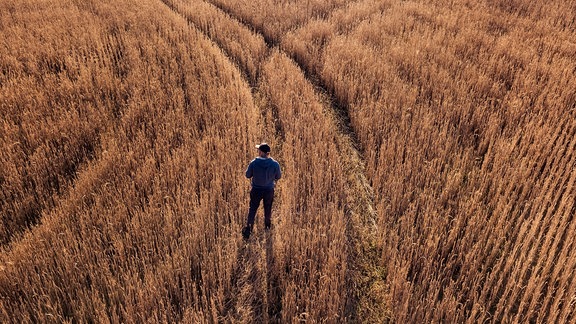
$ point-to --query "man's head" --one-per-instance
(263, 149)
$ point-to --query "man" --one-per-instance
(264, 172)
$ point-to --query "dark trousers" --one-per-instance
(256, 195)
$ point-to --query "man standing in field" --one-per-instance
(264, 172)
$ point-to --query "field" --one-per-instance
(427, 149)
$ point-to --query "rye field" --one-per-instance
(427, 149)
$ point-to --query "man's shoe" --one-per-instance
(246, 232)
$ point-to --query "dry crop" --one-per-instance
(427, 149)
(465, 116)
(126, 134)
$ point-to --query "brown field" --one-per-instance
(428, 151)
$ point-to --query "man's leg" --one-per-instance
(268, 200)
(255, 198)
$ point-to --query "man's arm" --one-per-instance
(249, 171)
(278, 172)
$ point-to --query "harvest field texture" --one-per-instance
(427, 149)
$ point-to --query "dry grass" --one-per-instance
(143, 230)
(465, 113)
(146, 226)
(127, 125)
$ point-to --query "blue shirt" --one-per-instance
(264, 172)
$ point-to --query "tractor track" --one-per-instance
(361, 227)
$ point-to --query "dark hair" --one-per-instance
(263, 147)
